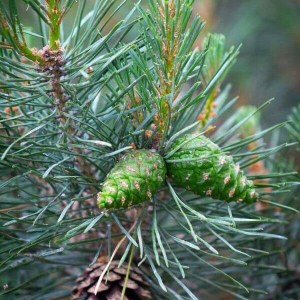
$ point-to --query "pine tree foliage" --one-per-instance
(74, 105)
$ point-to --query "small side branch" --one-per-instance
(14, 41)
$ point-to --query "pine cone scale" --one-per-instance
(103, 287)
(115, 294)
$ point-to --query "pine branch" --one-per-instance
(88, 99)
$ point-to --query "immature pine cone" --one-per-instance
(210, 172)
(133, 180)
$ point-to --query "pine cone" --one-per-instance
(111, 286)
(210, 172)
(133, 180)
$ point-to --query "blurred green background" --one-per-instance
(269, 62)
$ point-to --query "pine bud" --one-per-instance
(207, 171)
(133, 180)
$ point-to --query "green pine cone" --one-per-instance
(133, 180)
(210, 172)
